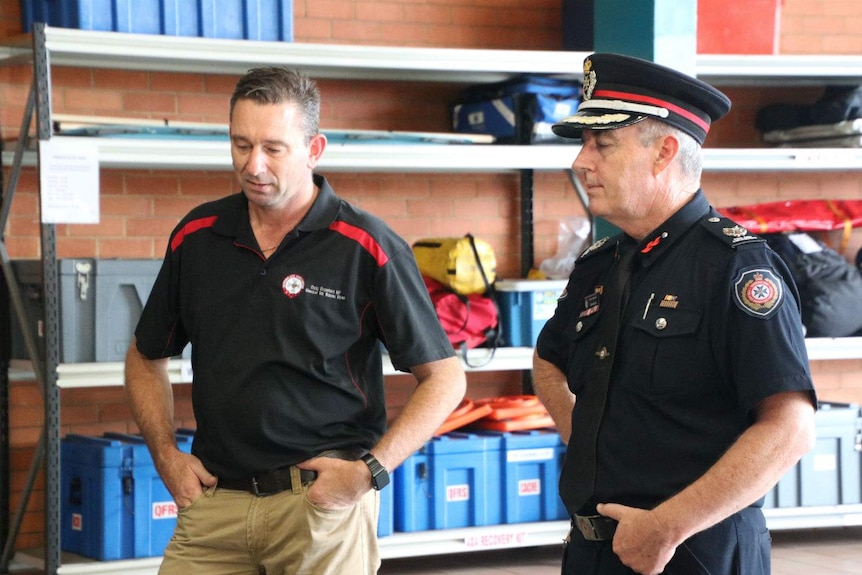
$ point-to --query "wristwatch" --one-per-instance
(379, 475)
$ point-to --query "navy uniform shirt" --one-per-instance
(712, 327)
(286, 351)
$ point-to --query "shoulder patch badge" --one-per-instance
(758, 292)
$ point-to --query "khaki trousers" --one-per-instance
(226, 532)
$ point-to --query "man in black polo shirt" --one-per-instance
(675, 365)
(285, 292)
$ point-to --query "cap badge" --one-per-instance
(589, 79)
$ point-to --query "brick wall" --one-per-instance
(139, 207)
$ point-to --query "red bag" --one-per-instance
(469, 320)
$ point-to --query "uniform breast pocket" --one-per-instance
(582, 338)
(667, 346)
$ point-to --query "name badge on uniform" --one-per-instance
(591, 302)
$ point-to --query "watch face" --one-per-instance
(380, 480)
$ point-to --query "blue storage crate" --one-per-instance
(452, 481)
(234, 19)
(386, 518)
(113, 503)
(525, 306)
(829, 474)
(530, 466)
(520, 110)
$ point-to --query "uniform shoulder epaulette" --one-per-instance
(598, 247)
(729, 232)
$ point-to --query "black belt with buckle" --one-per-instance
(595, 527)
(290, 479)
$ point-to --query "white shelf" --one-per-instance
(91, 49)
(778, 70)
(172, 154)
(70, 47)
(828, 348)
(503, 359)
(110, 374)
(438, 542)
(812, 517)
(468, 539)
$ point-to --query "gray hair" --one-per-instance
(276, 85)
(690, 152)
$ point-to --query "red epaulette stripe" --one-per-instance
(653, 101)
(191, 228)
(363, 238)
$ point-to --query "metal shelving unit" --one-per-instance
(52, 47)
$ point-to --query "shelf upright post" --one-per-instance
(14, 301)
(5, 355)
(523, 135)
(51, 391)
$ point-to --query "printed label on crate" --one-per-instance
(519, 455)
(164, 510)
(825, 462)
(457, 493)
(77, 522)
(499, 539)
(529, 487)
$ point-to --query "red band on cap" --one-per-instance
(640, 98)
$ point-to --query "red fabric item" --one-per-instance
(797, 216)
(466, 319)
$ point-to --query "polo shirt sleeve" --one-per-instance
(160, 332)
(409, 326)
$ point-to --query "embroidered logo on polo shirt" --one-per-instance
(758, 292)
(293, 285)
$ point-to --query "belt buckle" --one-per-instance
(585, 526)
(256, 489)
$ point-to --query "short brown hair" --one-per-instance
(276, 85)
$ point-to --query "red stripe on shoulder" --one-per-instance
(363, 238)
(191, 228)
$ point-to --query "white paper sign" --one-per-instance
(69, 181)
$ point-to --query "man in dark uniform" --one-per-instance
(285, 292)
(675, 365)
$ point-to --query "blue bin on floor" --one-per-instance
(113, 503)
(530, 463)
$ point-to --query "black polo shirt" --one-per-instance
(286, 351)
(711, 328)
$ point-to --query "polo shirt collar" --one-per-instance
(234, 222)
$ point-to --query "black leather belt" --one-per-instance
(291, 478)
(595, 527)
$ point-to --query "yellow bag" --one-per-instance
(464, 265)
